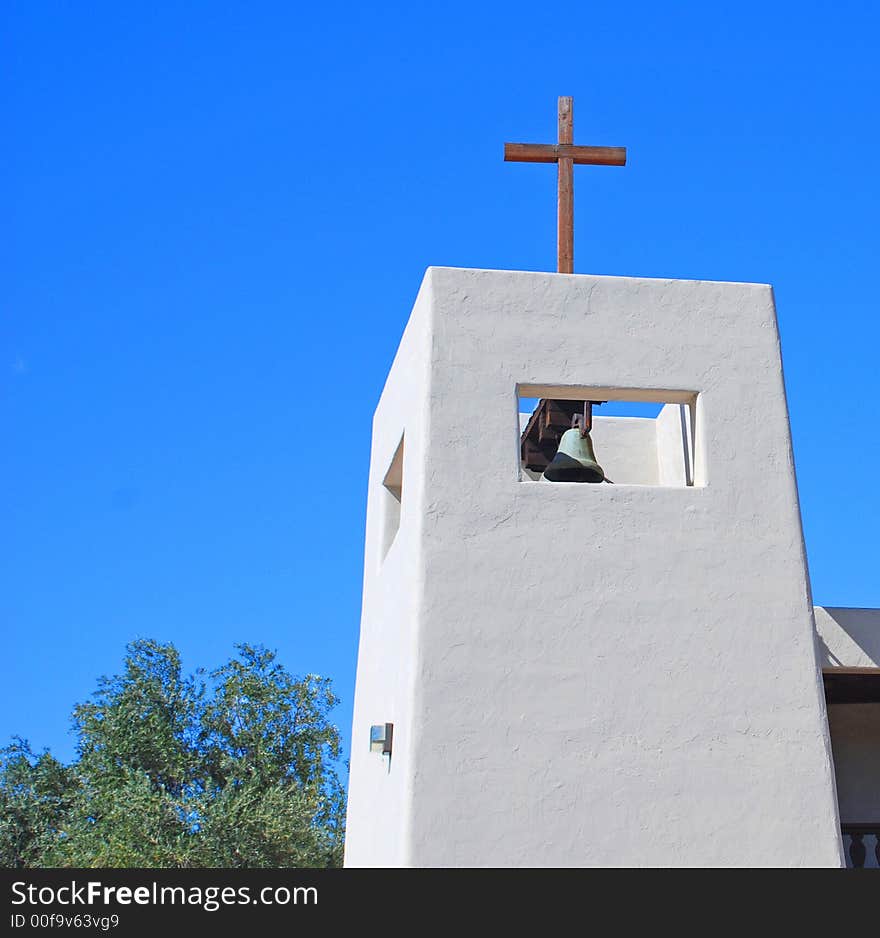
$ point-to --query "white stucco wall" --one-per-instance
(848, 638)
(675, 445)
(380, 794)
(855, 735)
(589, 674)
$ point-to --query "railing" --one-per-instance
(861, 845)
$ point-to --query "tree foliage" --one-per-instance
(231, 769)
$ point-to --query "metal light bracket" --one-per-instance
(381, 736)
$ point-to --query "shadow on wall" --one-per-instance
(848, 638)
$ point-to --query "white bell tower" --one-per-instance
(573, 674)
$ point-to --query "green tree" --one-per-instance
(36, 793)
(231, 769)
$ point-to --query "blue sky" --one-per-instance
(218, 216)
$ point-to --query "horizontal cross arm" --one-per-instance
(552, 153)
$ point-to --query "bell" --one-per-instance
(575, 460)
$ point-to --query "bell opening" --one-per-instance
(642, 438)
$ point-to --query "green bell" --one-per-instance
(575, 460)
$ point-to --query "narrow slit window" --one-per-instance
(392, 499)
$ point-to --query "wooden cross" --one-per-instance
(565, 154)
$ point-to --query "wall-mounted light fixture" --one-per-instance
(380, 738)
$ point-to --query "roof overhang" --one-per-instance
(851, 685)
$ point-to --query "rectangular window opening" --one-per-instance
(638, 436)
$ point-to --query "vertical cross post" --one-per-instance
(565, 197)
